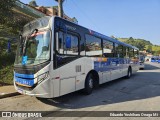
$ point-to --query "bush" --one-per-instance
(6, 68)
(6, 59)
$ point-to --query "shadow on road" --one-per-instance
(142, 85)
(151, 66)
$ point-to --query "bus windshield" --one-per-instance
(34, 49)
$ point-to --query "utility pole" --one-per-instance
(60, 8)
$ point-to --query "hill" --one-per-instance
(142, 45)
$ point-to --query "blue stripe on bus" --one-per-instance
(110, 64)
(30, 76)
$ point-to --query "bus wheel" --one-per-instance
(89, 83)
(129, 73)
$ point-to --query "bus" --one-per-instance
(56, 57)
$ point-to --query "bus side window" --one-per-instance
(66, 48)
(125, 52)
(72, 47)
(108, 49)
(82, 47)
(93, 46)
(136, 54)
(59, 42)
(131, 53)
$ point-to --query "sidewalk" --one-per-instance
(7, 91)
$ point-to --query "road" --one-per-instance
(139, 93)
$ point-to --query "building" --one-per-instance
(50, 11)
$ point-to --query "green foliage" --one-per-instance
(139, 43)
(6, 64)
(156, 50)
(148, 48)
(6, 11)
(142, 45)
(10, 18)
(6, 75)
(11, 22)
(7, 59)
(6, 67)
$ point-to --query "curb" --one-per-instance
(9, 95)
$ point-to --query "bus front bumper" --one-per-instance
(42, 90)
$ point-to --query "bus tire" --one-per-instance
(89, 84)
(129, 73)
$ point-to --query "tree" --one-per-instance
(140, 45)
(33, 3)
(148, 48)
(6, 11)
(11, 19)
(131, 41)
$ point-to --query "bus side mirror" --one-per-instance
(68, 42)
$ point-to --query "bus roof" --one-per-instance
(102, 36)
(111, 39)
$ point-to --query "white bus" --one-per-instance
(56, 57)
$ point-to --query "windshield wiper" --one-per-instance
(24, 49)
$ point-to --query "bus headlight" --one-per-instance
(43, 76)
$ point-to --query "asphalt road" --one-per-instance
(139, 93)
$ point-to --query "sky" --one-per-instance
(120, 18)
